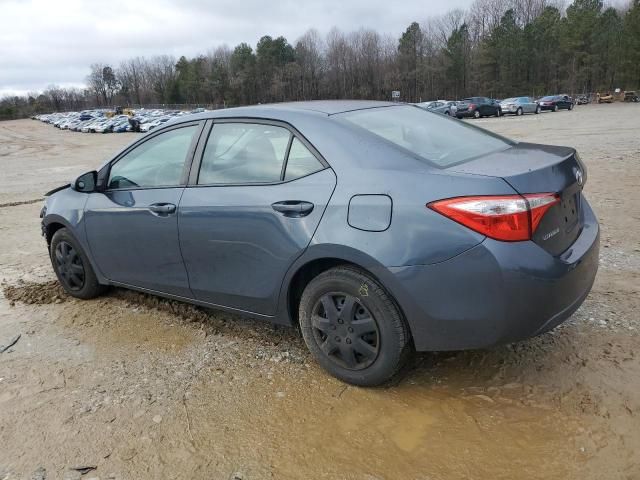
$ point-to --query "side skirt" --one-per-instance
(277, 319)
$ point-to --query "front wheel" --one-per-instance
(519, 111)
(72, 267)
(555, 108)
(353, 328)
(538, 109)
(476, 114)
(571, 106)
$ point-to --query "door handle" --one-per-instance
(162, 208)
(293, 208)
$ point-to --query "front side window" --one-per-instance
(433, 138)
(238, 153)
(158, 162)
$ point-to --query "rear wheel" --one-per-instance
(353, 328)
(538, 109)
(555, 108)
(571, 106)
(72, 267)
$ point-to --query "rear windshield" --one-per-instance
(434, 138)
(549, 98)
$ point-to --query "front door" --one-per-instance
(132, 227)
(258, 198)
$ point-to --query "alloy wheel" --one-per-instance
(69, 266)
(345, 330)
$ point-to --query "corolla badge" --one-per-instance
(550, 234)
(579, 178)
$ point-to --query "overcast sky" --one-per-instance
(45, 42)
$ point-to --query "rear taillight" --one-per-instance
(472, 106)
(510, 218)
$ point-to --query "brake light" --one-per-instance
(472, 106)
(510, 218)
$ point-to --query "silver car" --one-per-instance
(445, 107)
(519, 105)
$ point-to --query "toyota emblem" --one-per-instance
(579, 176)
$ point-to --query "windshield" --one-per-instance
(438, 140)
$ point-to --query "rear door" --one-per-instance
(255, 197)
(487, 107)
(132, 227)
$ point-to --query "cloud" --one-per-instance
(45, 42)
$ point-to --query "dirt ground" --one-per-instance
(139, 387)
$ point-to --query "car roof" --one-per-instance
(287, 110)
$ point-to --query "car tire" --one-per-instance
(538, 109)
(366, 345)
(446, 112)
(555, 108)
(519, 111)
(476, 114)
(571, 106)
(72, 267)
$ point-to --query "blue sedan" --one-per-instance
(377, 228)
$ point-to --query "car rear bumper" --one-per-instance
(548, 107)
(465, 113)
(496, 292)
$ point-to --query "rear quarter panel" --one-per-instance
(367, 165)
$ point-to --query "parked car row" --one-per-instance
(477, 107)
(105, 121)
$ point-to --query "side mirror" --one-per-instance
(86, 182)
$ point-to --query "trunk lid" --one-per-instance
(532, 168)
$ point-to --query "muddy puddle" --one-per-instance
(198, 391)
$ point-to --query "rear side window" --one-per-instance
(238, 153)
(437, 140)
(301, 161)
(157, 162)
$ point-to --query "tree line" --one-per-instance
(496, 48)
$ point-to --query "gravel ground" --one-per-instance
(132, 386)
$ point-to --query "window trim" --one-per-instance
(293, 132)
(187, 162)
